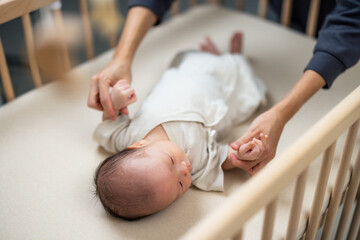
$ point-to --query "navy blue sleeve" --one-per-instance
(159, 7)
(338, 44)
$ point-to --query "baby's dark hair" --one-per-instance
(121, 195)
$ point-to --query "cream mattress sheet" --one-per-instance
(48, 156)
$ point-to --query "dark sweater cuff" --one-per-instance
(328, 66)
(159, 11)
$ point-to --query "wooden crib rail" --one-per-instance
(286, 14)
(12, 9)
(290, 165)
(263, 9)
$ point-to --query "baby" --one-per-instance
(172, 142)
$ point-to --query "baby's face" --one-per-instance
(169, 171)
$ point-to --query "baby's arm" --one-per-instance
(121, 96)
(250, 151)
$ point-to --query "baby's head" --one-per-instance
(143, 179)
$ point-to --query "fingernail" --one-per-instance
(234, 146)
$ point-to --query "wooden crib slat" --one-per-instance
(193, 3)
(113, 34)
(320, 192)
(29, 39)
(355, 223)
(215, 1)
(340, 179)
(266, 185)
(312, 18)
(59, 23)
(298, 198)
(5, 76)
(269, 218)
(262, 9)
(238, 236)
(286, 12)
(87, 29)
(239, 4)
(349, 200)
(174, 10)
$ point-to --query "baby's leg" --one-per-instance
(236, 42)
(253, 149)
(209, 46)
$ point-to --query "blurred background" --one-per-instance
(12, 35)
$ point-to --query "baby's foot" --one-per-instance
(236, 43)
(209, 46)
(253, 149)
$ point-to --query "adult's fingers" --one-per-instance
(105, 100)
(243, 140)
(93, 100)
(244, 164)
(258, 167)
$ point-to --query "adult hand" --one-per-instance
(268, 123)
(99, 95)
(272, 122)
(122, 95)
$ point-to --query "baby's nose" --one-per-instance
(184, 169)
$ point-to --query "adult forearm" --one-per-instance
(309, 83)
(138, 23)
(337, 47)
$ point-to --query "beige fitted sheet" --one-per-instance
(48, 156)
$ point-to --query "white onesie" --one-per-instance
(202, 97)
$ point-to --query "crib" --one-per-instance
(309, 191)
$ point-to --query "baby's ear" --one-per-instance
(138, 144)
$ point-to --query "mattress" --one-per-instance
(48, 156)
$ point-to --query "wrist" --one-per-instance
(309, 83)
(283, 111)
(122, 58)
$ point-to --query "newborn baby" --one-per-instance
(177, 132)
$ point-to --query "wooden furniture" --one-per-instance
(11, 9)
(48, 156)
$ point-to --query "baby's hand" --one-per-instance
(122, 95)
(253, 149)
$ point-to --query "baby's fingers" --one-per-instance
(124, 111)
(246, 147)
(264, 138)
(259, 144)
(252, 153)
(130, 96)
